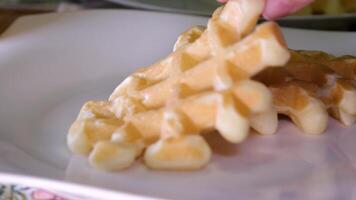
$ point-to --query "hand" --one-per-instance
(275, 9)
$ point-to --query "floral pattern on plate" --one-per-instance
(19, 192)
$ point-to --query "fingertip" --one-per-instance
(275, 9)
(268, 15)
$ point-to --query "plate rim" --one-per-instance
(71, 188)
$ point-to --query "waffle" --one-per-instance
(335, 77)
(204, 85)
(264, 122)
(327, 83)
(311, 85)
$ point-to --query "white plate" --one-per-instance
(50, 64)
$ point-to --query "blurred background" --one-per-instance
(336, 15)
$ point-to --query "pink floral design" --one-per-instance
(44, 195)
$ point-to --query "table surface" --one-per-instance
(8, 16)
(9, 12)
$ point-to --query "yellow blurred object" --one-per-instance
(329, 7)
(305, 11)
(349, 5)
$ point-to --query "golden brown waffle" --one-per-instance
(297, 100)
(205, 84)
(324, 78)
(266, 121)
(335, 77)
(308, 85)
